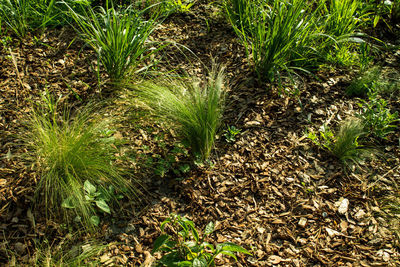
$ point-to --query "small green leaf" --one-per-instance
(95, 220)
(89, 188)
(199, 262)
(228, 246)
(67, 203)
(184, 168)
(209, 228)
(184, 263)
(170, 259)
(229, 254)
(102, 205)
(160, 241)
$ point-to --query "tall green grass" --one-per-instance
(278, 35)
(68, 150)
(15, 14)
(22, 16)
(341, 16)
(119, 37)
(194, 111)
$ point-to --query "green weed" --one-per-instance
(377, 116)
(187, 247)
(231, 133)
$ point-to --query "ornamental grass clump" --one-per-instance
(22, 16)
(195, 111)
(344, 144)
(119, 37)
(70, 153)
(278, 35)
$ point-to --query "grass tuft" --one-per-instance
(119, 37)
(194, 110)
(69, 150)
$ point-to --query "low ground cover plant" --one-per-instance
(193, 110)
(119, 37)
(378, 118)
(344, 144)
(74, 154)
(186, 247)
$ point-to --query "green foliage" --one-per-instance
(382, 12)
(187, 247)
(344, 144)
(119, 37)
(230, 134)
(15, 15)
(278, 36)
(341, 17)
(362, 85)
(22, 16)
(181, 6)
(69, 150)
(377, 116)
(193, 110)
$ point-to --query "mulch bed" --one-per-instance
(271, 191)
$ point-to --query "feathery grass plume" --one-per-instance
(193, 110)
(67, 253)
(119, 37)
(69, 150)
(346, 146)
(279, 35)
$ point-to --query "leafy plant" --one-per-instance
(344, 144)
(69, 150)
(182, 6)
(119, 37)
(193, 110)
(230, 134)
(377, 116)
(187, 247)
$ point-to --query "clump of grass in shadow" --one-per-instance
(193, 110)
(119, 37)
(67, 151)
(344, 144)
